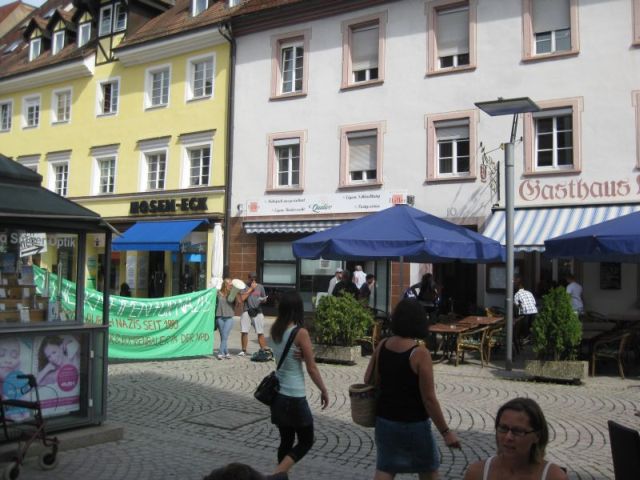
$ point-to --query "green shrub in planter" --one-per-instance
(556, 331)
(341, 320)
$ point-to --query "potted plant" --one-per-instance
(339, 322)
(556, 336)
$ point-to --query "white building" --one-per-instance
(338, 102)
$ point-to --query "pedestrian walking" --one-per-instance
(574, 289)
(407, 403)
(359, 277)
(290, 410)
(346, 285)
(521, 438)
(224, 317)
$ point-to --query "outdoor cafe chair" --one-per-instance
(610, 345)
(496, 338)
(625, 451)
(472, 340)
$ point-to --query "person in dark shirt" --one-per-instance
(367, 287)
(346, 285)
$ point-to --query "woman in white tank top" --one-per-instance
(521, 437)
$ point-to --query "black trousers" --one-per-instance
(287, 440)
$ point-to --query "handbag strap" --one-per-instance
(376, 376)
(292, 335)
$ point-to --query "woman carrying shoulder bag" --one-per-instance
(290, 410)
(407, 403)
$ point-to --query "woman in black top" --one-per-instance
(407, 402)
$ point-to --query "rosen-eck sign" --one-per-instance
(324, 204)
(531, 190)
(193, 204)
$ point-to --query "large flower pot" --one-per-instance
(337, 354)
(565, 370)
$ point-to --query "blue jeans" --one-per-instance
(225, 324)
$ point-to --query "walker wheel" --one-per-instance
(11, 471)
(48, 460)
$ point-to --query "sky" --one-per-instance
(35, 3)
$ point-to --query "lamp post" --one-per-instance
(511, 106)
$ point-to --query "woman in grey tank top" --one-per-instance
(521, 436)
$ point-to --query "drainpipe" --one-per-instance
(225, 31)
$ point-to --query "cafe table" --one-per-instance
(449, 333)
(477, 321)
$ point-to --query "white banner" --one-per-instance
(32, 243)
(347, 202)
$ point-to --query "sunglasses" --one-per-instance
(515, 431)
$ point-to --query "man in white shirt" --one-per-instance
(359, 277)
(336, 278)
(526, 304)
(574, 289)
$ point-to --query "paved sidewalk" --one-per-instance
(185, 417)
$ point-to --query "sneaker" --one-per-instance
(242, 353)
(227, 357)
(220, 356)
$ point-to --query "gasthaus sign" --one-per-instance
(323, 204)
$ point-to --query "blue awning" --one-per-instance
(531, 227)
(156, 236)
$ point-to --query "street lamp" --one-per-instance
(510, 106)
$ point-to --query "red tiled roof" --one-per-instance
(5, 10)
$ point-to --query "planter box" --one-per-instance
(565, 370)
(337, 354)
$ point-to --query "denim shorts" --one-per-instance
(291, 411)
(405, 447)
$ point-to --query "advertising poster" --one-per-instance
(54, 360)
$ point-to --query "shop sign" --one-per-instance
(144, 329)
(184, 205)
(578, 190)
(322, 204)
(33, 243)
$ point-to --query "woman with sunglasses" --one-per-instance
(521, 437)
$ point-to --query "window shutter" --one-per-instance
(453, 32)
(364, 48)
(549, 15)
(363, 153)
(452, 129)
(286, 142)
(554, 112)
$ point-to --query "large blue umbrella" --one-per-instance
(401, 233)
(616, 240)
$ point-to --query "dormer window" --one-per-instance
(106, 14)
(84, 33)
(35, 48)
(112, 20)
(199, 6)
(58, 42)
(120, 18)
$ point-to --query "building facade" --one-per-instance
(362, 100)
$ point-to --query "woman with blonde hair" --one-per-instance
(521, 437)
(224, 317)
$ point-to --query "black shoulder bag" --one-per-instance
(270, 385)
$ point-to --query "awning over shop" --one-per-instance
(156, 236)
(291, 226)
(532, 226)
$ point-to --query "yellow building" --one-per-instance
(122, 108)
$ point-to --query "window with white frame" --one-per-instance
(108, 95)
(363, 50)
(31, 112)
(199, 165)
(61, 106)
(287, 155)
(290, 55)
(106, 18)
(58, 42)
(156, 164)
(157, 91)
(35, 48)
(453, 148)
(61, 174)
(291, 67)
(361, 154)
(84, 33)
(552, 137)
(106, 174)
(453, 36)
(199, 6)
(6, 113)
(120, 18)
(200, 74)
(29, 161)
(550, 28)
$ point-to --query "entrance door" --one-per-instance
(157, 275)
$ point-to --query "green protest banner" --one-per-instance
(140, 328)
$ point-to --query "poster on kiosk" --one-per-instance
(54, 360)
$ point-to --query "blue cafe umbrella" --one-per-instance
(400, 233)
(616, 240)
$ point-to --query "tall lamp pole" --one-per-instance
(511, 106)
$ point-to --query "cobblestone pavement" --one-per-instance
(185, 417)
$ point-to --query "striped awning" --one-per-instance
(532, 226)
(291, 226)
